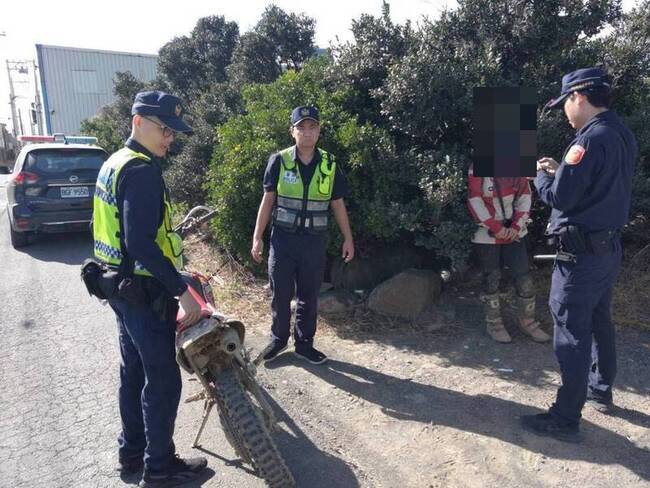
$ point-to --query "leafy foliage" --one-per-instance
(396, 105)
(191, 64)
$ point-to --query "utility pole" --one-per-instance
(20, 122)
(22, 67)
(37, 103)
(12, 101)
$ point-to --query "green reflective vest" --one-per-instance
(298, 207)
(106, 218)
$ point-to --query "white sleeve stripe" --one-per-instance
(523, 203)
(521, 223)
(479, 208)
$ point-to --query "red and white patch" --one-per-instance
(575, 154)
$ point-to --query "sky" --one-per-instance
(144, 26)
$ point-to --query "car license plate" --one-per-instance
(75, 192)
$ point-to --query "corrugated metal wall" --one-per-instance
(76, 82)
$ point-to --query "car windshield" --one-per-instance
(65, 159)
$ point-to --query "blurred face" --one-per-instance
(152, 134)
(306, 133)
(574, 109)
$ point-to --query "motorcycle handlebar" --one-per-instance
(190, 222)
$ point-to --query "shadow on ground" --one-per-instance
(485, 415)
(462, 342)
(71, 248)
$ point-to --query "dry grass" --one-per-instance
(237, 292)
(631, 301)
(631, 298)
(242, 295)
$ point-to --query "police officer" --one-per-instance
(132, 232)
(301, 183)
(590, 193)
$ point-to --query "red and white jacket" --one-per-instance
(483, 203)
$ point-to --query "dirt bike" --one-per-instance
(213, 351)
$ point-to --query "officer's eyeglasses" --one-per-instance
(166, 131)
(571, 97)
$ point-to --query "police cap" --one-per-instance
(304, 112)
(580, 80)
(166, 107)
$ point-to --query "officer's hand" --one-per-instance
(549, 165)
(257, 249)
(347, 251)
(191, 308)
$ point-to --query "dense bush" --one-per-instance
(396, 104)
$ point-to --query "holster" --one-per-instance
(100, 280)
(572, 240)
(131, 290)
(144, 290)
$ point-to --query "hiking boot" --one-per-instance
(273, 350)
(497, 331)
(493, 321)
(545, 424)
(531, 327)
(129, 466)
(311, 354)
(178, 472)
(526, 319)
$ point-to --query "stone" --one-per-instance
(367, 273)
(336, 302)
(407, 294)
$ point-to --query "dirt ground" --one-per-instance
(402, 404)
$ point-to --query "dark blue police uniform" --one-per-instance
(590, 195)
(297, 260)
(150, 380)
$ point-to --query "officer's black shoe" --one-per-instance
(129, 466)
(180, 471)
(546, 425)
(273, 350)
(310, 353)
(602, 406)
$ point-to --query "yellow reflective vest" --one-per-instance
(298, 206)
(106, 218)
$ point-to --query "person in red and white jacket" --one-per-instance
(501, 207)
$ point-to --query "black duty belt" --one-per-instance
(574, 241)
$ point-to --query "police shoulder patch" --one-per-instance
(575, 154)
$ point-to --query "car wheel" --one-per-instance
(18, 239)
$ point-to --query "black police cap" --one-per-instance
(304, 112)
(579, 80)
(166, 107)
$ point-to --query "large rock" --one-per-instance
(406, 295)
(336, 302)
(366, 273)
